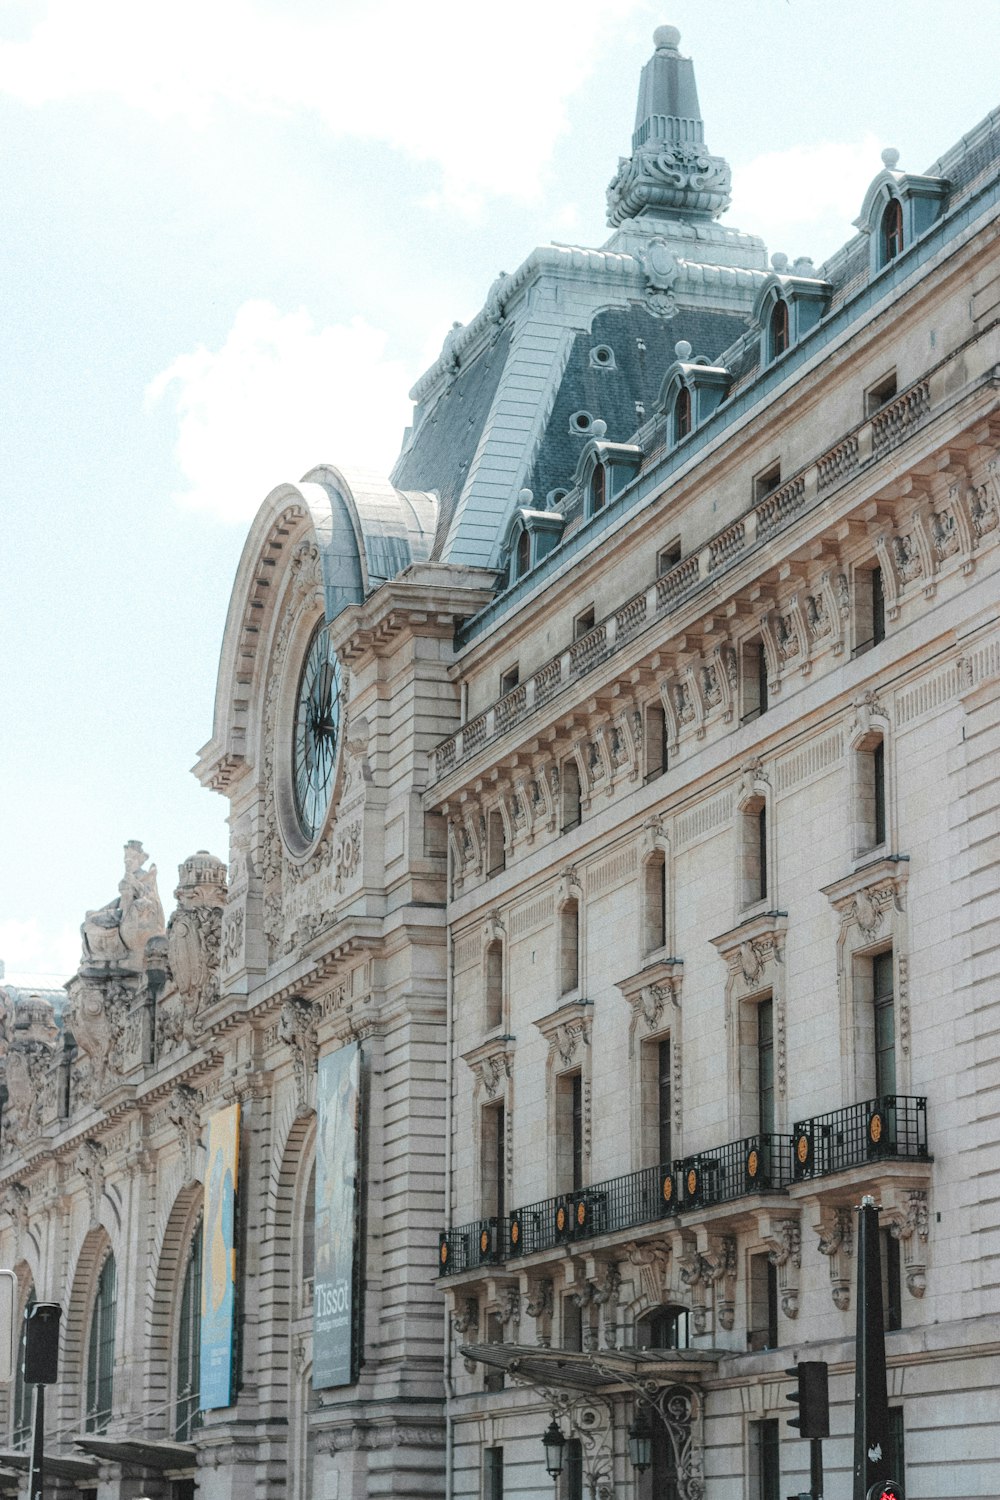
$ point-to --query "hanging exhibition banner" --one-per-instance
(338, 1098)
(218, 1261)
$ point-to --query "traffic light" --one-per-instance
(812, 1398)
(887, 1490)
(41, 1343)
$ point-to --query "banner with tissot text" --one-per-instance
(338, 1100)
(218, 1261)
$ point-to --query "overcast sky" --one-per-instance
(233, 234)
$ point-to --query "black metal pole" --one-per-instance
(816, 1468)
(871, 1401)
(36, 1478)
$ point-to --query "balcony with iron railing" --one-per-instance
(890, 1128)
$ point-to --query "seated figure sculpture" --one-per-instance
(116, 934)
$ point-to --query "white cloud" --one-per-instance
(38, 955)
(804, 200)
(280, 396)
(445, 81)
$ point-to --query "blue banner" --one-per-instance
(218, 1261)
(338, 1091)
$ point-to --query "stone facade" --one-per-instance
(642, 830)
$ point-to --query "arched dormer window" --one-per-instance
(899, 207)
(598, 489)
(891, 231)
(530, 536)
(777, 332)
(523, 554)
(682, 414)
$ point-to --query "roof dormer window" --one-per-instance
(523, 555)
(891, 232)
(682, 414)
(598, 489)
(899, 207)
(778, 329)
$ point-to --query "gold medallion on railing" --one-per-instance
(515, 1233)
(692, 1182)
(668, 1189)
(484, 1242)
(875, 1128)
(581, 1213)
(561, 1219)
(803, 1149)
(444, 1252)
(753, 1163)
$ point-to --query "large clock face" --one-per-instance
(317, 732)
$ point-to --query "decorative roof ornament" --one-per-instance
(670, 173)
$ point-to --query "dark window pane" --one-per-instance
(878, 770)
(765, 1067)
(664, 1102)
(187, 1417)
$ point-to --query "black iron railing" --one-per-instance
(620, 1203)
(757, 1164)
(481, 1243)
(891, 1127)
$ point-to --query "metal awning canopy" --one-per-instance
(60, 1465)
(146, 1453)
(600, 1370)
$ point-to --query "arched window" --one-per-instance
(187, 1417)
(523, 554)
(21, 1430)
(598, 490)
(101, 1349)
(682, 414)
(778, 328)
(891, 231)
(309, 1231)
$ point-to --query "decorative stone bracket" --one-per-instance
(836, 1242)
(908, 1221)
(783, 1238)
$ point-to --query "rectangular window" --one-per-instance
(877, 395)
(897, 1446)
(878, 607)
(494, 1150)
(492, 1377)
(584, 622)
(878, 773)
(571, 1487)
(569, 1132)
(885, 1024)
(569, 779)
(767, 1472)
(492, 1474)
(667, 558)
(892, 1299)
(572, 1320)
(766, 481)
(869, 609)
(655, 741)
(762, 853)
(664, 1108)
(762, 1329)
(577, 1107)
(765, 1067)
(753, 680)
(509, 679)
(496, 854)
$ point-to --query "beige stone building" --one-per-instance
(610, 903)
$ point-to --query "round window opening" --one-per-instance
(317, 732)
(602, 356)
(581, 421)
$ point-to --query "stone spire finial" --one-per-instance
(670, 173)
